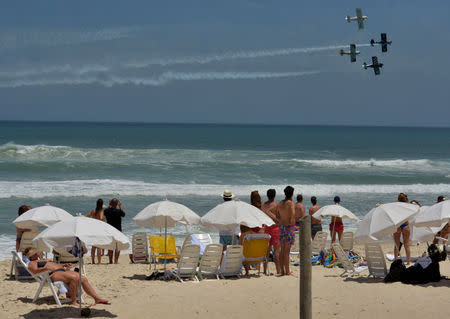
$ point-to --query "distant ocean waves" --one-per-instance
(122, 187)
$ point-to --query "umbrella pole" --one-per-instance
(333, 231)
(165, 243)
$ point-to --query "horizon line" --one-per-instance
(225, 123)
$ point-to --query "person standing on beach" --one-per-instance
(285, 212)
(445, 231)
(97, 213)
(226, 236)
(404, 231)
(114, 218)
(268, 208)
(299, 210)
(316, 224)
(336, 224)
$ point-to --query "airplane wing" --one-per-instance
(360, 23)
(383, 37)
(376, 69)
(384, 47)
(352, 52)
(375, 61)
(359, 13)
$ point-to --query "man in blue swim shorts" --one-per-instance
(285, 212)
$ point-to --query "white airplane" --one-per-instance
(359, 17)
(352, 52)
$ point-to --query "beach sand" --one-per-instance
(131, 296)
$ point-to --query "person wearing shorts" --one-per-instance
(274, 243)
(316, 224)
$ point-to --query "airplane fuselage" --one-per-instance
(349, 19)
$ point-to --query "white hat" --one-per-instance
(227, 194)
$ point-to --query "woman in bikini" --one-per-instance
(97, 213)
(404, 231)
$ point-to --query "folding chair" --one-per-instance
(210, 262)
(349, 268)
(231, 262)
(159, 250)
(375, 260)
(318, 243)
(188, 262)
(140, 248)
(347, 241)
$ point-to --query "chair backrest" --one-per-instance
(375, 260)
(319, 242)
(347, 240)
(255, 248)
(140, 247)
(158, 243)
(27, 238)
(295, 249)
(205, 239)
(188, 261)
(210, 261)
(18, 267)
(232, 261)
(17, 256)
(342, 257)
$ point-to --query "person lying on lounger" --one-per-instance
(62, 273)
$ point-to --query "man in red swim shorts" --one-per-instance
(336, 225)
(268, 207)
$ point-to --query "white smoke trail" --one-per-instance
(235, 55)
(161, 80)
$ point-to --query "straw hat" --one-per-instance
(227, 194)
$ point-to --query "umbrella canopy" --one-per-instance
(424, 233)
(41, 216)
(335, 210)
(228, 215)
(435, 215)
(165, 214)
(382, 221)
(89, 231)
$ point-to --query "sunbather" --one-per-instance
(62, 273)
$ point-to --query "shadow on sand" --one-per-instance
(66, 312)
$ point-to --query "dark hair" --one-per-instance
(402, 198)
(440, 198)
(289, 191)
(114, 202)
(23, 209)
(313, 200)
(255, 199)
(299, 198)
(271, 193)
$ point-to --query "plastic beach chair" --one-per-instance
(43, 279)
(210, 262)
(375, 260)
(318, 243)
(140, 248)
(198, 239)
(295, 249)
(255, 248)
(347, 241)
(158, 250)
(231, 261)
(27, 239)
(188, 262)
(349, 268)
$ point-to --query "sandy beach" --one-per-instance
(132, 296)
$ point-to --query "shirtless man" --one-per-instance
(61, 273)
(316, 224)
(274, 243)
(336, 225)
(285, 212)
(299, 209)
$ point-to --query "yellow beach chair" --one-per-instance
(255, 249)
(158, 251)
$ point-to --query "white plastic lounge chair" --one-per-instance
(198, 239)
(231, 262)
(62, 256)
(347, 241)
(349, 268)
(375, 260)
(295, 249)
(188, 262)
(18, 269)
(140, 248)
(210, 262)
(320, 239)
(43, 279)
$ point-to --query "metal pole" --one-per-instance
(165, 243)
(305, 268)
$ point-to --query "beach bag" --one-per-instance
(396, 271)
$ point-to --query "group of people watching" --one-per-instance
(286, 216)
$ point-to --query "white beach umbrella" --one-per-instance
(435, 215)
(335, 210)
(424, 233)
(228, 215)
(165, 214)
(78, 231)
(382, 221)
(41, 216)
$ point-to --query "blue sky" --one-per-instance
(223, 62)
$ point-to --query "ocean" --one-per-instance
(71, 165)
